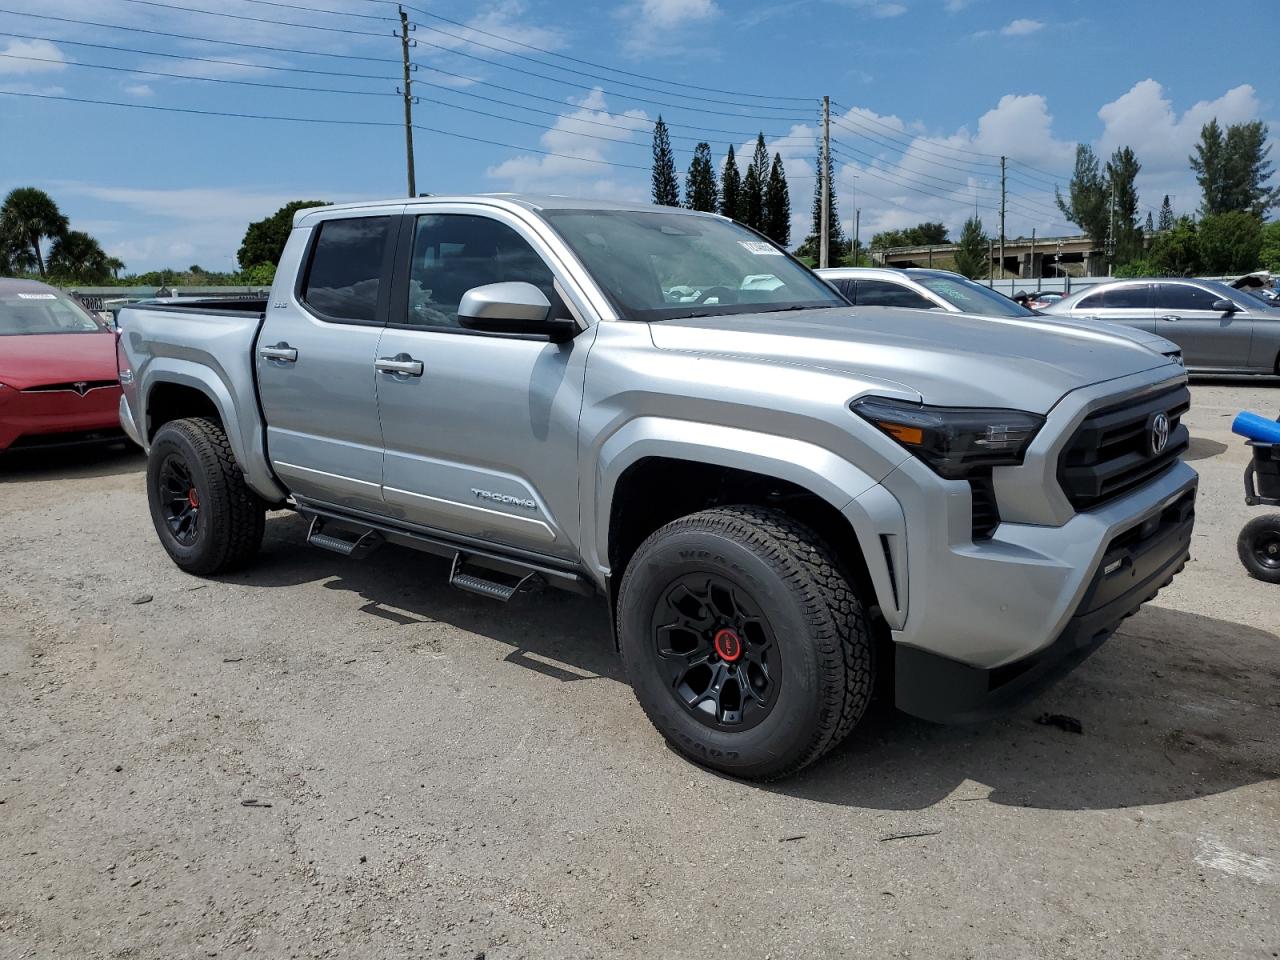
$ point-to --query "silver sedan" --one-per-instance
(1220, 329)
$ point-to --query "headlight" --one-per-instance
(1176, 357)
(955, 441)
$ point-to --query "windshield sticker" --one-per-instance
(760, 248)
(37, 296)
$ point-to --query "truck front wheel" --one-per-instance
(206, 516)
(746, 646)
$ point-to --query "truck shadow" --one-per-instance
(1175, 706)
(87, 462)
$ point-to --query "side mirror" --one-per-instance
(1224, 306)
(514, 308)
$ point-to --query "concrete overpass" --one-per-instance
(1023, 257)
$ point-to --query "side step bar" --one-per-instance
(493, 589)
(473, 561)
(357, 549)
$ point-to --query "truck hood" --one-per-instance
(38, 359)
(948, 359)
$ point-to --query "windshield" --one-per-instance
(662, 266)
(43, 311)
(973, 297)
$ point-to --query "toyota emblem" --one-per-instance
(1159, 437)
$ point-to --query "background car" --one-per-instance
(1220, 329)
(924, 289)
(58, 380)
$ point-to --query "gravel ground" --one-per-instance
(327, 758)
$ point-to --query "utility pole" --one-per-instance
(824, 252)
(1002, 206)
(1111, 230)
(991, 256)
(407, 93)
(1038, 273)
(857, 244)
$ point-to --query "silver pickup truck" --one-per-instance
(789, 502)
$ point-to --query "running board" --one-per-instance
(492, 589)
(523, 569)
(357, 549)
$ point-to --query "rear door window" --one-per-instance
(344, 277)
(1133, 297)
(883, 293)
(1183, 296)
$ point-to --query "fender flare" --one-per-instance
(248, 441)
(807, 465)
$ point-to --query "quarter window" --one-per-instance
(452, 253)
(882, 293)
(346, 268)
(1183, 296)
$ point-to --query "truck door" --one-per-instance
(480, 429)
(315, 359)
(1210, 339)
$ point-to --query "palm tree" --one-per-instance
(32, 216)
(78, 256)
(115, 265)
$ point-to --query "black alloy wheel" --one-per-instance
(179, 500)
(716, 651)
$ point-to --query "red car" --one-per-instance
(58, 380)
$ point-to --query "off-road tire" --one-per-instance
(1259, 531)
(818, 622)
(231, 516)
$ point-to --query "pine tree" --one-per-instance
(972, 250)
(754, 188)
(1122, 174)
(666, 188)
(700, 191)
(1087, 204)
(731, 188)
(1247, 169)
(1150, 228)
(835, 235)
(1166, 220)
(777, 203)
(753, 200)
(1209, 163)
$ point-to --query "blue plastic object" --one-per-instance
(1257, 428)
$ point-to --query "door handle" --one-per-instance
(280, 353)
(1171, 318)
(401, 365)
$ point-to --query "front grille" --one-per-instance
(1111, 454)
(986, 512)
(79, 386)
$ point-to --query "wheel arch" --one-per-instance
(177, 389)
(660, 473)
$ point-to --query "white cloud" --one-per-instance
(580, 168)
(654, 27)
(139, 90)
(489, 28)
(48, 58)
(1021, 27)
(955, 6)
(880, 9)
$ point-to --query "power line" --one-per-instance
(309, 9)
(188, 76)
(317, 120)
(989, 157)
(902, 145)
(192, 57)
(565, 56)
(185, 36)
(240, 16)
(625, 96)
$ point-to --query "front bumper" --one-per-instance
(42, 419)
(1133, 567)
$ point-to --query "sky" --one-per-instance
(559, 96)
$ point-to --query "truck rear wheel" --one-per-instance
(746, 646)
(206, 516)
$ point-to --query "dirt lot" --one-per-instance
(435, 775)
